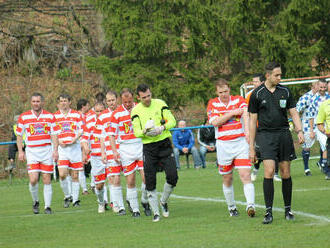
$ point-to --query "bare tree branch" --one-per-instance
(85, 31)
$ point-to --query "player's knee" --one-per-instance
(33, 181)
(62, 177)
(151, 187)
(99, 186)
(172, 180)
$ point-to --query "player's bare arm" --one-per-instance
(246, 125)
(297, 123)
(55, 147)
(104, 156)
(252, 131)
(311, 127)
(220, 120)
(116, 155)
(19, 142)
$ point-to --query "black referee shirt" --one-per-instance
(271, 107)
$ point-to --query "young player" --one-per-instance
(229, 116)
(69, 129)
(92, 147)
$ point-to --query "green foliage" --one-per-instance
(179, 47)
(64, 73)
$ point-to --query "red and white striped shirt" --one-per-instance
(89, 136)
(233, 128)
(38, 129)
(68, 126)
(102, 129)
(121, 125)
(88, 115)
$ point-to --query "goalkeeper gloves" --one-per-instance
(155, 131)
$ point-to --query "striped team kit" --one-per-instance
(316, 101)
(38, 131)
(303, 106)
(98, 168)
(232, 148)
(67, 127)
(102, 129)
(130, 148)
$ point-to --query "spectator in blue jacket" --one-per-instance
(184, 142)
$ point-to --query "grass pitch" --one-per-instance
(198, 217)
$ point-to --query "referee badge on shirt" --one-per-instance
(283, 103)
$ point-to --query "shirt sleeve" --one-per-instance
(86, 134)
(136, 123)
(313, 108)
(114, 125)
(210, 111)
(175, 140)
(253, 103)
(52, 126)
(199, 137)
(242, 102)
(321, 115)
(291, 103)
(20, 126)
(170, 121)
(301, 104)
(191, 140)
(80, 123)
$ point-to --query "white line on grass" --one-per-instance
(294, 190)
(313, 216)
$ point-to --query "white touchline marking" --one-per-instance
(313, 216)
(294, 190)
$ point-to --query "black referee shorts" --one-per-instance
(275, 145)
(156, 155)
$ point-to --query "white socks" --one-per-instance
(100, 195)
(153, 201)
(144, 196)
(118, 197)
(229, 195)
(132, 197)
(111, 194)
(82, 180)
(65, 187)
(168, 188)
(75, 191)
(69, 179)
(92, 181)
(249, 194)
(34, 191)
(48, 192)
(105, 193)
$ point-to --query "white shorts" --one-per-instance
(130, 152)
(71, 153)
(308, 141)
(98, 170)
(232, 154)
(42, 154)
(39, 159)
(322, 139)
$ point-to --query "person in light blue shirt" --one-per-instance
(184, 143)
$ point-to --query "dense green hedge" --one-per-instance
(180, 46)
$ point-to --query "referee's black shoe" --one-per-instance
(268, 219)
(289, 215)
(146, 207)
